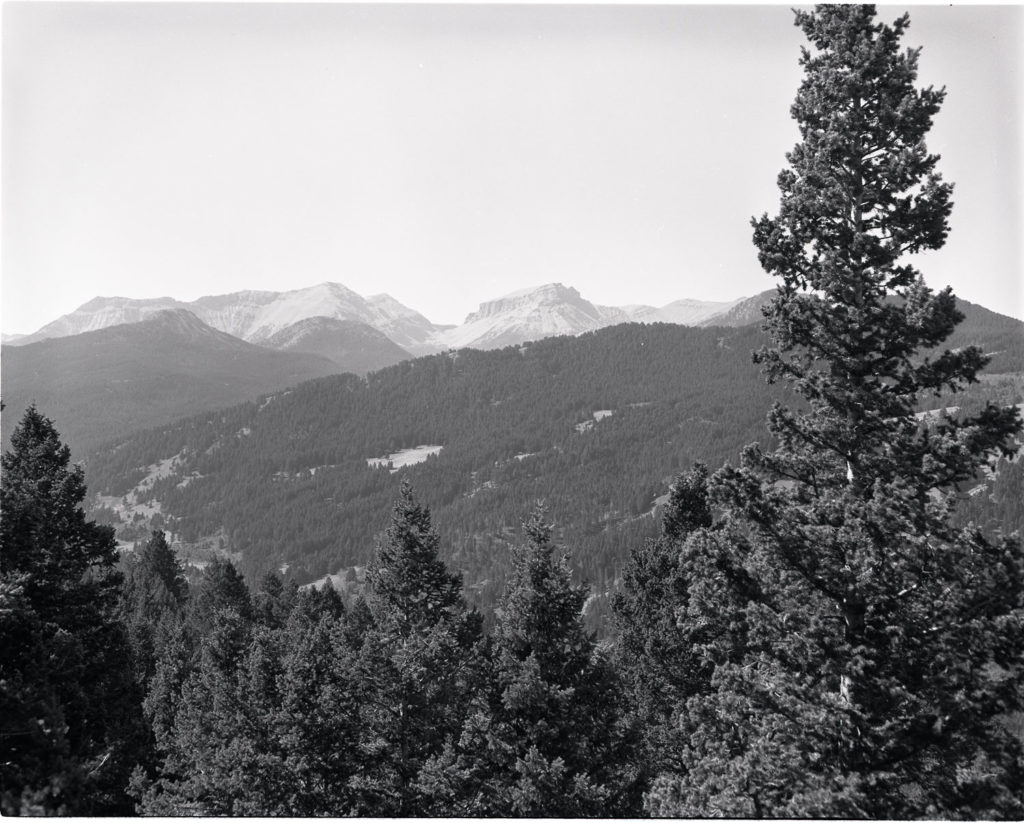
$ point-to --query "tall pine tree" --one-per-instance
(70, 715)
(546, 736)
(865, 649)
(419, 661)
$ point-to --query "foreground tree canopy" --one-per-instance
(69, 713)
(811, 635)
(864, 651)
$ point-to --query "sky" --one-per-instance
(447, 155)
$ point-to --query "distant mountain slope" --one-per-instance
(686, 312)
(597, 425)
(101, 384)
(525, 315)
(554, 309)
(740, 313)
(405, 327)
(101, 313)
(353, 346)
(252, 315)
(1000, 336)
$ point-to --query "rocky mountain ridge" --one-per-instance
(253, 316)
(259, 316)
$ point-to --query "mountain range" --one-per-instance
(164, 359)
(117, 365)
(101, 384)
(262, 316)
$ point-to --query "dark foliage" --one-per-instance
(288, 482)
(545, 736)
(865, 649)
(69, 709)
(419, 660)
(655, 657)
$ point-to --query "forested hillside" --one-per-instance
(287, 477)
(597, 426)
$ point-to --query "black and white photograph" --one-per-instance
(513, 410)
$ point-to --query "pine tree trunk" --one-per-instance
(853, 628)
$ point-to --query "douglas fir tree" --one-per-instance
(866, 652)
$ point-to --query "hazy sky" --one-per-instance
(449, 154)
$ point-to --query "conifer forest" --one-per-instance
(830, 627)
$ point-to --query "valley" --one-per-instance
(597, 425)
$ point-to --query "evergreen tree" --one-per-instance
(418, 661)
(204, 746)
(152, 603)
(545, 738)
(268, 723)
(865, 649)
(275, 600)
(218, 616)
(162, 572)
(70, 719)
(317, 720)
(410, 586)
(653, 653)
(221, 587)
(153, 596)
